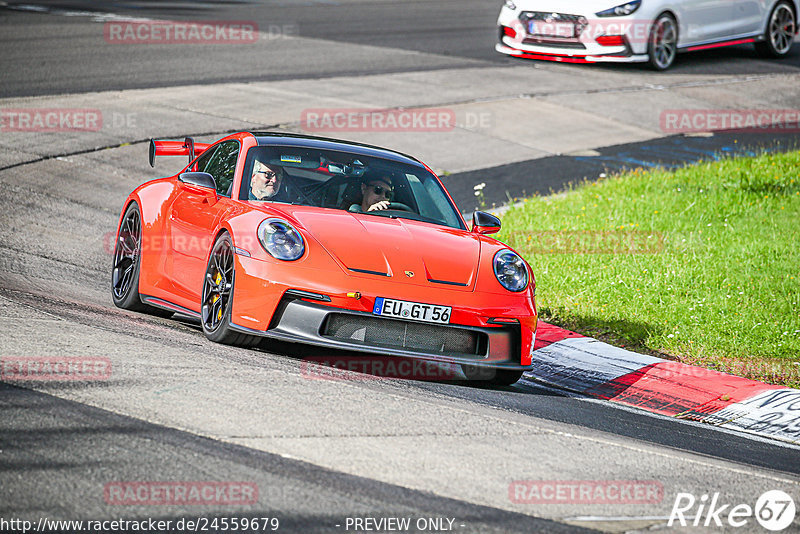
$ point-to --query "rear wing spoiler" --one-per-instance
(187, 147)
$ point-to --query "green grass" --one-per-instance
(709, 273)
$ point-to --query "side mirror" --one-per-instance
(200, 182)
(484, 223)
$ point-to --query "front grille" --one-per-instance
(579, 22)
(547, 16)
(553, 43)
(416, 337)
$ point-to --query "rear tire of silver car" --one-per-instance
(490, 375)
(662, 44)
(780, 31)
(217, 297)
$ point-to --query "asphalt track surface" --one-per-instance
(181, 408)
(461, 33)
(52, 435)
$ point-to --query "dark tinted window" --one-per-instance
(202, 161)
(333, 179)
(222, 166)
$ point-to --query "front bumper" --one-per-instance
(573, 37)
(566, 56)
(303, 304)
(300, 321)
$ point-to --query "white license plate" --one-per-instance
(540, 28)
(415, 311)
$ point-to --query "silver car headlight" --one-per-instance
(280, 239)
(510, 270)
(621, 10)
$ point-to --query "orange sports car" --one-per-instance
(326, 242)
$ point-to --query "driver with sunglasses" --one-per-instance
(376, 194)
(265, 184)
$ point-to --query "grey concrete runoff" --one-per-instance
(105, 448)
(177, 407)
(508, 115)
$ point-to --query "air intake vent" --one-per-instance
(414, 337)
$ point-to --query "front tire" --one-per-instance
(127, 264)
(779, 35)
(506, 377)
(490, 376)
(217, 297)
(662, 44)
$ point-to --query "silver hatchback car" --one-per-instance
(587, 31)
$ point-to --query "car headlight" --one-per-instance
(510, 270)
(280, 239)
(511, 5)
(621, 10)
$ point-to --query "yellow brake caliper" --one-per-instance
(217, 280)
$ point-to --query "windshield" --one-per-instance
(341, 180)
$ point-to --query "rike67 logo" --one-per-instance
(774, 510)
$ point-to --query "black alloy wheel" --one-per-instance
(127, 264)
(217, 297)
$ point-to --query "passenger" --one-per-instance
(376, 194)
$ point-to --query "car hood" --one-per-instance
(370, 245)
